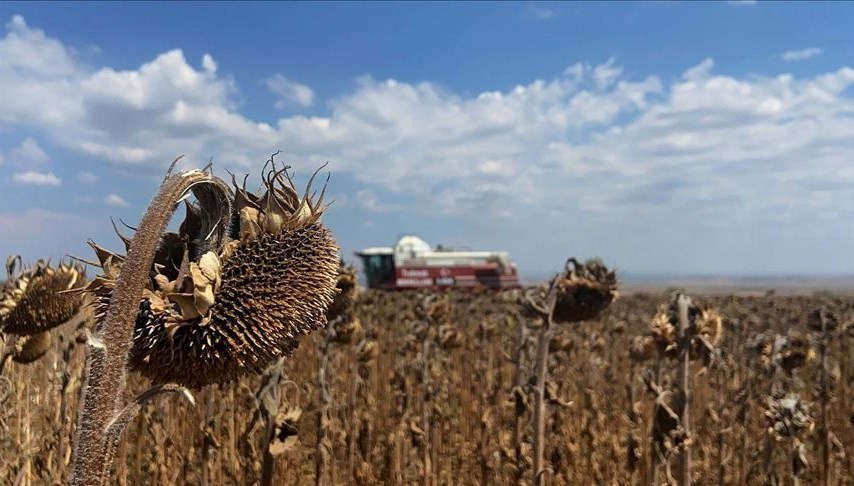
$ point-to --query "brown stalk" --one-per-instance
(426, 409)
(541, 373)
(654, 454)
(824, 394)
(269, 408)
(322, 455)
(684, 379)
(519, 398)
(210, 423)
(107, 351)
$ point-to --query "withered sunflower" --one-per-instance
(582, 292)
(706, 329)
(31, 348)
(245, 277)
(347, 292)
(36, 299)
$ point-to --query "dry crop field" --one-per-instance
(238, 349)
(424, 389)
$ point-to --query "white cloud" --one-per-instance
(209, 64)
(290, 93)
(28, 153)
(29, 50)
(741, 3)
(33, 178)
(115, 200)
(592, 140)
(699, 71)
(87, 177)
(801, 54)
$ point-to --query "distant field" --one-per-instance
(738, 285)
(796, 285)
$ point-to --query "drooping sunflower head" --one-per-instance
(36, 299)
(347, 292)
(584, 291)
(30, 348)
(245, 277)
(706, 329)
(581, 292)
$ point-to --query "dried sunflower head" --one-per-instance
(784, 352)
(234, 289)
(347, 292)
(35, 299)
(788, 416)
(584, 291)
(643, 348)
(31, 348)
(823, 318)
(792, 351)
(433, 307)
(449, 337)
(706, 329)
(367, 350)
(345, 330)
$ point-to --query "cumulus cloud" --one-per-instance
(593, 141)
(28, 153)
(699, 71)
(115, 200)
(801, 54)
(33, 178)
(289, 93)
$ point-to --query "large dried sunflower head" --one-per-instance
(347, 292)
(245, 276)
(584, 291)
(35, 299)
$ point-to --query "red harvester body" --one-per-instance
(411, 263)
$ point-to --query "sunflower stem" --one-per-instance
(541, 372)
(107, 352)
(685, 335)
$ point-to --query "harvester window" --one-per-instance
(379, 269)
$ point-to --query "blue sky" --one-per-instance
(667, 138)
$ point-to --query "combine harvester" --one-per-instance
(412, 264)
